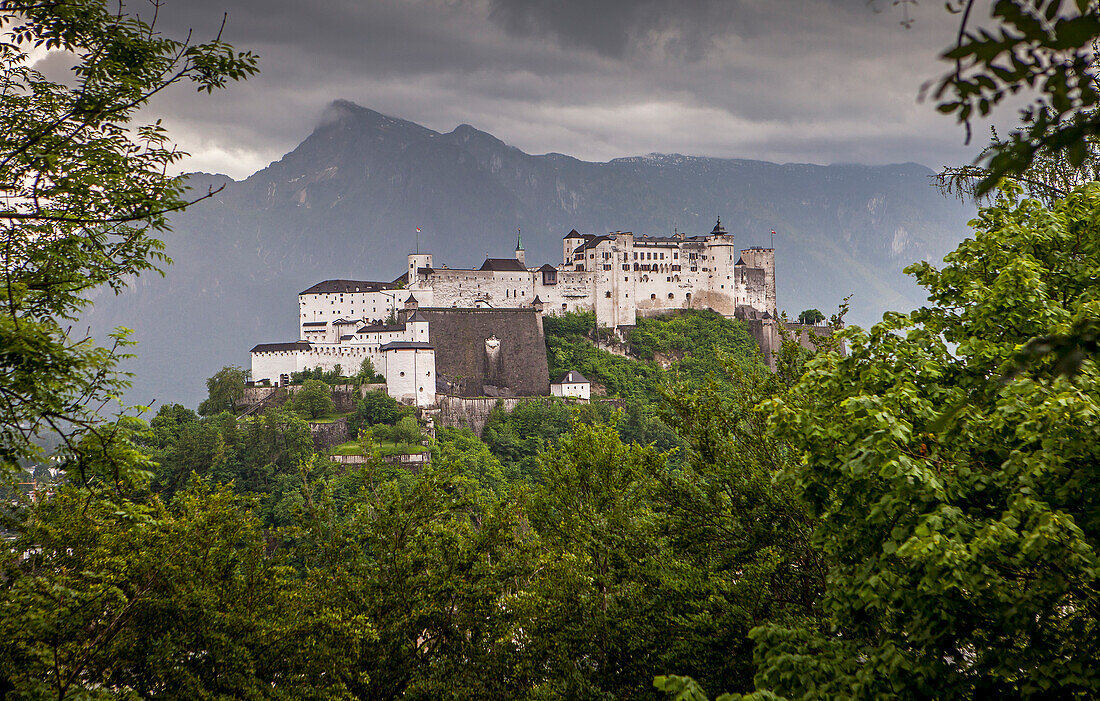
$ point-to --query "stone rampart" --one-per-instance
(328, 435)
(345, 397)
(488, 352)
(804, 333)
(471, 412)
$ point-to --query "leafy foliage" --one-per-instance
(960, 511)
(367, 373)
(811, 316)
(313, 399)
(84, 195)
(329, 377)
(377, 407)
(1043, 44)
(224, 390)
(185, 600)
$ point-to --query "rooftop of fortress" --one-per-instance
(593, 240)
(503, 264)
(345, 286)
(273, 347)
(407, 345)
(376, 327)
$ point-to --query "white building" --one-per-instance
(410, 376)
(572, 384)
(618, 276)
(410, 372)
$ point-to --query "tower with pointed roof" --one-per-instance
(519, 247)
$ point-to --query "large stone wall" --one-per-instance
(467, 288)
(471, 413)
(328, 435)
(488, 352)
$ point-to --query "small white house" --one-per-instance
(572, 384)
(409, 368)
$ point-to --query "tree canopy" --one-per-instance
(960, 512)
(85, 193)
(1043, 45)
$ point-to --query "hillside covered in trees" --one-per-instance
(917, 517)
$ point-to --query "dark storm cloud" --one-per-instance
(784, 80)
(688, 29)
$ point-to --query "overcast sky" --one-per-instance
(819, 81)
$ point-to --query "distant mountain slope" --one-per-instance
(345, 204)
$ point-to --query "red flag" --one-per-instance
(418, 230)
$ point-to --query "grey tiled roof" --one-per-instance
(340, 286)
(571, 377)
(407, 345)
(273, 347)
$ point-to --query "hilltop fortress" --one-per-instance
(482, 328)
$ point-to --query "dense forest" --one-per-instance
(916, 517)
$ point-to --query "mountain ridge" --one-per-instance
(346, 201)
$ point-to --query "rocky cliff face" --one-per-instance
(346, 202)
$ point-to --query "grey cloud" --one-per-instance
(822, 81)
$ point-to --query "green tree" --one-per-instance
(377, 407)
(407, 430)
(726, 511)
(961, 511)
(186, 600)
(85, 195)
(811, 316)
(471, 460)
(313, 399)
(432, 575)
(367, 373)
(1047, 45)
(594, 620)
(224, 390)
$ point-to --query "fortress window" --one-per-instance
(675, 255)
(653, 296)
(607, 294)
(402, 374)
(670, 295)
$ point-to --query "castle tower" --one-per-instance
(721, 259)
(569, 244)
(763, 258)
(519, 248)
(416, 262)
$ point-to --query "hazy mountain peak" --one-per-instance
(347, 114)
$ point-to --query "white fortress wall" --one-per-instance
(410, 373)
